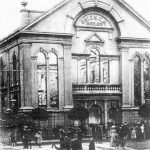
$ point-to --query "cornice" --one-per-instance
(48, 33)
(37, 37)
(133, 39)
(133, 42)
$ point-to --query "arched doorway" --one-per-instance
(113, 116)
(95, 115)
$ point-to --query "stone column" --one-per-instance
(61, 82)
(22, 76)
(78, 71)
(88, 71)
(67, 76)
(125, 77)
(106, 113)
(131, 81)
(34, 82)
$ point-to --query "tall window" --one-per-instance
(137, 81)
(15, 71)
(3, 86)
(146, 72)
(53, 69)
(83, 70)
(41, 75)
(95, 66)
(97, 69)
(2, 72)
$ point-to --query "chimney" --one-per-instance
(25, 13)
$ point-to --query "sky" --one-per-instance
(10, 16)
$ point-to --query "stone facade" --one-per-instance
(99, 48)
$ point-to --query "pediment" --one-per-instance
(94, 38)
(48, 21)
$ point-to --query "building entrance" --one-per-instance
(95, 115)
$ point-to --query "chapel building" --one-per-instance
(95, 53)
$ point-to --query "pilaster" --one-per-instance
(26, 87)
(78, 71)
(106, 113)
(34, 82)
(67, 76)
(125, 77)
(61, 82)
(131, 81)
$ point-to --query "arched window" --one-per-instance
(137, 81)
(53, 70)
(95, 66)
(112, 113)
(2, 72)
(146, 72)
(99, 68)
(41, 75)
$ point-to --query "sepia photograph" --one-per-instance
(74, 75)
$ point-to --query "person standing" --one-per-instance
(39, 138)
(12, 136)
(75, 143)
(142, 132)
(123, 134)
(65, 145)
(113, 134)
(92, 144)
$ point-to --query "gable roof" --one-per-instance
(47, 13)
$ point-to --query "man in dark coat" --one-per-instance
(65, 145)
(76, 143)
(92, 144)
(123, 134)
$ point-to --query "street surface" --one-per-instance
(145, 145)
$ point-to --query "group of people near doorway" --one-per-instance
(71, 138)
(120, 133)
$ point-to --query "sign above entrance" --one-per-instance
(93, 20)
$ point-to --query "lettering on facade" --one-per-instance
(93, 20)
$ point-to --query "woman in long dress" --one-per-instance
(39, 138)
(113, 134)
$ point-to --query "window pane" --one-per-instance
(41, 59)
(137, 81)
(41, 76)
(52, 59)
(53, 69)
(146, 79)
(104, 70)
(94, 66)
(83, 70)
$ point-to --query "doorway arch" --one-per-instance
(95, 114)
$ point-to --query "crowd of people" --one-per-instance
(71, 137)
(118, 134)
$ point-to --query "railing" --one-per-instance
(96, 88)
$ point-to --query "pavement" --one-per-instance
(144, 145)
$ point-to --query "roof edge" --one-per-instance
(138, 15)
